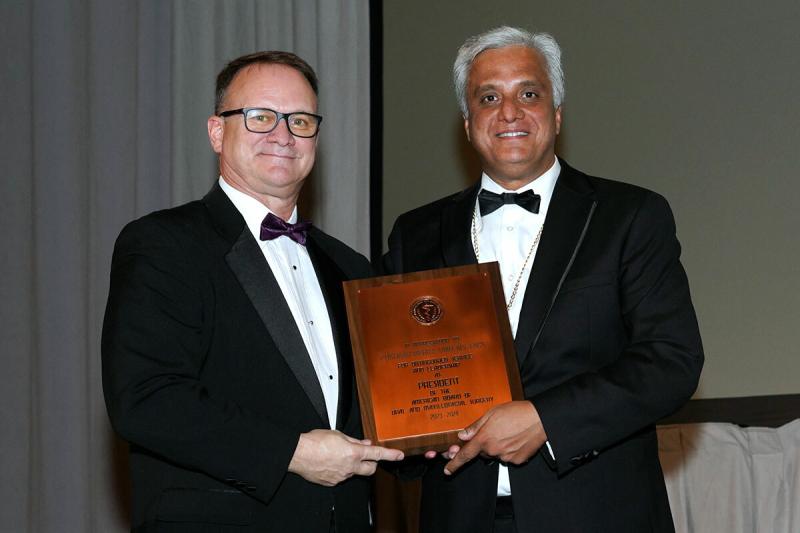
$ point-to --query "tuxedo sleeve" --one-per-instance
(659, 366)
(156, 335)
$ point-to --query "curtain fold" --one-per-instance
(17, 333)
(106, 108)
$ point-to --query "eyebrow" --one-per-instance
(492, 86)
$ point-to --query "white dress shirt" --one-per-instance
(506, 236)
(294, 272)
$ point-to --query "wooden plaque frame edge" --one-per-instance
(437, 441)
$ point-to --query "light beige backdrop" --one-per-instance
(698, 100)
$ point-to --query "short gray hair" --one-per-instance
(501, 37)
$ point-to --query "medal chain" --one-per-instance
(477, 250)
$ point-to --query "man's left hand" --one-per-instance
(511, 432)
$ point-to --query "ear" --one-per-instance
(558, 120)
(466, 128)
(216, 130)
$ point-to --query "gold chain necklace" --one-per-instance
(477, 250)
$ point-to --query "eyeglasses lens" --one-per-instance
(265, 120)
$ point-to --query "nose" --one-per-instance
(281, 134)
(509, 110)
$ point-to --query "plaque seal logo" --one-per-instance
(427, 310)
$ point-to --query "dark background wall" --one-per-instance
(699, 101)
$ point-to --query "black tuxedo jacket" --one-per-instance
(607, 344)
(206, 375)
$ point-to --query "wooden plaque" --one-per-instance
(433, 352)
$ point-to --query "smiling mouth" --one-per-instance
(512, 134)
(282, 156)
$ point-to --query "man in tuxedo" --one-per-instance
(226, 359)
(606, 336)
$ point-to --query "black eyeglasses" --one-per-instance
(262, 120)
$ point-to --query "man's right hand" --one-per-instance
(329, 457)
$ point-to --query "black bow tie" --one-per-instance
(273, 227)
(490, 202)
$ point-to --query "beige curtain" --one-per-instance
(105, 110)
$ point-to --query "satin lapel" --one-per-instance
(252, 270)
(456, 223)
(330, 278)
(568, 218)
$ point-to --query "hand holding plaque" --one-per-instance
(433, 352)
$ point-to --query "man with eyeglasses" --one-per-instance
(226, 360)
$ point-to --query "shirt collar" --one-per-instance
(251, 209)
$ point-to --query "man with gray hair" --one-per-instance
(606, 336)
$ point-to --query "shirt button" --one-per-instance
(510, 228)
(330, 377)
(310, 322)
(294, 267)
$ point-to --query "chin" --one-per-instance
(515, 160)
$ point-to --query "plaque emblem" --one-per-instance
(427, 310)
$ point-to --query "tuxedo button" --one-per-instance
(575, 461)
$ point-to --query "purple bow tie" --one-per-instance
(273, 227)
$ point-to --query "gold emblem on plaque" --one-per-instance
(427, 310)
